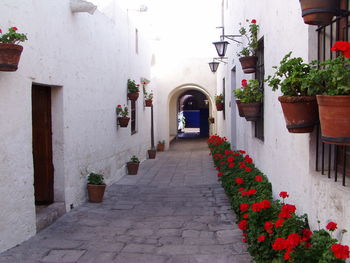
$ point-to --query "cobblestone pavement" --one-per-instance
(173, 211)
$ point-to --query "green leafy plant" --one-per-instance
(219, 98)
(122, 111)
(251, 36)
(96, 179)
(331, 77)
(249, 92)
(12, 37)
(132, 86)
(161, 142)
(134, 159)
(290, 77)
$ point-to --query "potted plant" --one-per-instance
(96, 187)
(250, 96)
(133, 165)
(219, 101)
(211, 120)
(319, 12)
(331, 79)
(133, 90)
(161, 146)
(148, 99)
(247, 55)
(10, 51)
(152, 153)
(298, 100)
(122, 116)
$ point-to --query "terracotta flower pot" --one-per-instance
(123, 121)
(220, 106)
(319, 12)
(300, 113)
(132, 167)
(152, 154)
(96, 192)
(133, 96)
(148, 103)
(248, 64)
(251, 110)
(160, 147)
(10, 55)
(334, 119)
(240, 112)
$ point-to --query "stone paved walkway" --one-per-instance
(174, 211)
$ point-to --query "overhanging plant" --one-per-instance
(331, 79)
(10, 51)
(298, 99)
(247, 55)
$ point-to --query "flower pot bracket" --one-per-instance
(337, 12)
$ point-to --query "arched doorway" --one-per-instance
(191, 97)
(193, 114)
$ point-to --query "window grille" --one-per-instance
(133, 117)
(333, 159)
(259, 75)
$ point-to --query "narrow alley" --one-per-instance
(174, 210)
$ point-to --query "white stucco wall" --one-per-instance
(287, 159)
(88, 59)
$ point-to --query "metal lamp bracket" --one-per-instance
(230, 37)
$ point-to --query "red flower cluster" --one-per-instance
(279, 223)
(284, 195)
(264, 204)
(230, 159)
(244, 207)
(239, 180)
(244, 83)
(286, 211)
(253, 21)
(220, 174)
(343, 47)
(261, 238)
(243, 225)
(291, 242)
(340, 251)
(249, 192)
(258, 178)
(268, 227)
(331, 226)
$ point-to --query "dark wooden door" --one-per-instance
(42, 144)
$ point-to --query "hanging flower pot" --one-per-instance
(133, 96)
(220, 106)
(10, 55)
(240, 112)
(123, 121)
(300, 113)
(248, 64)
(319, 12)
(251, 110)
(334, 119)
(148, 103)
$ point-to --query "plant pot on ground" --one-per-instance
(161, 146)
(133, 165)
(298, 101)
(319, 12)
(247, 56)
(10, 51)
(219, 102)
(152, 153)
(133, 90)
(96, 187)
(250, 96)
(333, 78)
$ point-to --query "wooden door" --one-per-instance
(42, 144)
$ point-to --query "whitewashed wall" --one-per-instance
(88, 59)
(287, 159)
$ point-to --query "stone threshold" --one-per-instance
(47, 214)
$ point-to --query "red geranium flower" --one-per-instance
(0, 31)
(241, 189)
(265, 204)
(242, 152)
(244, 83)
(239, 180)
(248, 169)
(258, 178)
(340, 251)
(306, 234)
(253, 21)
(293, 240)
(279, 244)
(331, 226)
(231, 165)
(220, 174)
(244, 207)
(343, 47)
(256, 207)
(245, 216)
(15, 28)
(284, 194)
(261, 238)
(230, 159)
(243, 225)
(279, 223)
(268, 227)
(286, 211)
